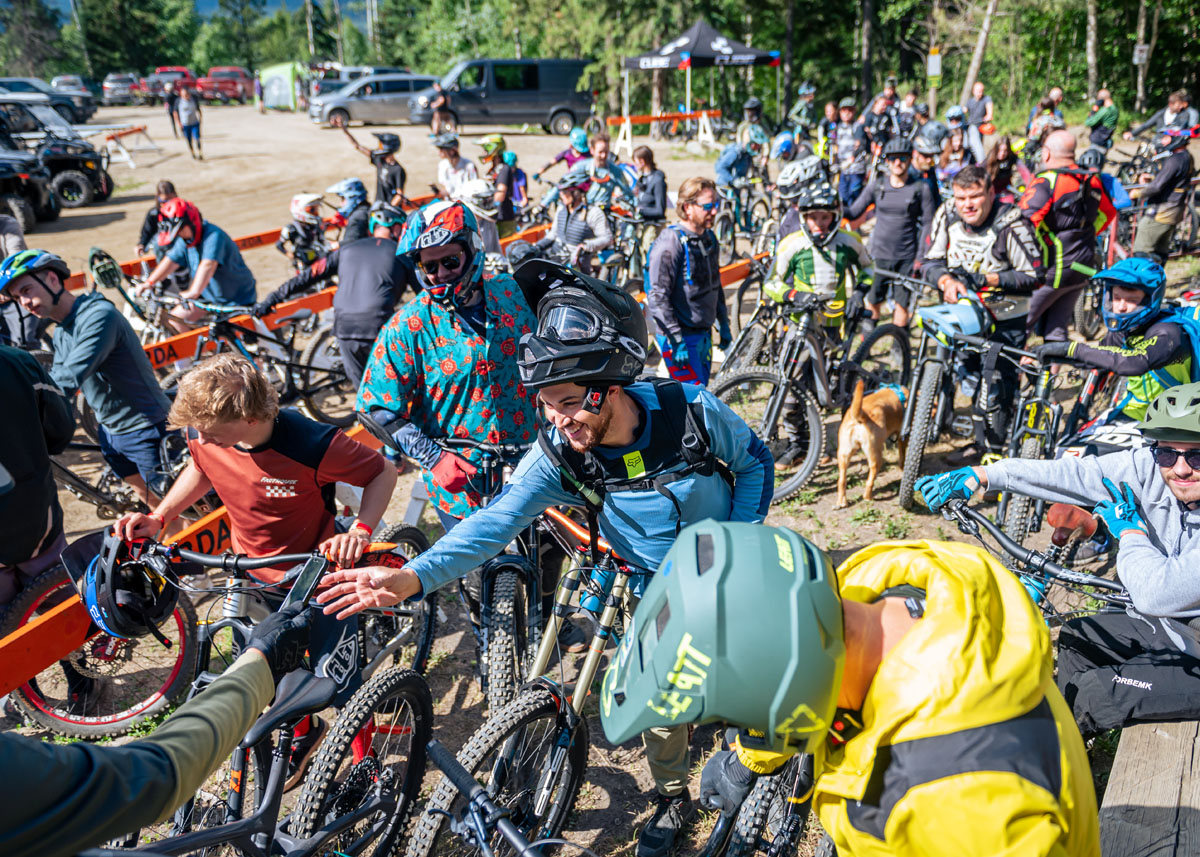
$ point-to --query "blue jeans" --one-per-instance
(975, 143)
(699, 363)
(850, 186)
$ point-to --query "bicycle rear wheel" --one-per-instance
(1088, 323)
(925, 404)
(131, 680)
(726, 231)
(510, 755)
(885, 357)
(327, 393)
(376, 749)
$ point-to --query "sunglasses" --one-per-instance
(1165, 456)
(449, 263)
(707, 206)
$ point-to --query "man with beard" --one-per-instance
(645, 458)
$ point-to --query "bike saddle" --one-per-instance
(299, 694)
(1070, 522)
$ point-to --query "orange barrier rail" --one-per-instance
(646, 119)
(116, 135)
(56, 633)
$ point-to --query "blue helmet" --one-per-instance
(806, 89)
(783, 146)
(1136, 273)
(32, 262)
(124, 597)
(578, 139)
(353, 193)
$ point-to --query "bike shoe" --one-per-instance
(1092, 551)
(671, 815)
(969, 454)
(572, 638)
(303, 750)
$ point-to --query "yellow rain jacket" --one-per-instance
(967, 747)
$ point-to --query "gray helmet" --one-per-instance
(577, 176)
(897, 147)
(800, 173)
(848, 101)
(819, 196)
(926, 146)
(1174, 415)
(445, 140)
(1090, 158)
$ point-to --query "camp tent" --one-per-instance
(279, 85)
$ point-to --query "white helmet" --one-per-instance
(797, 174)
(301, 203)
(479, 196)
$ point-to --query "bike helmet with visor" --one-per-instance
(798, 174)
(33, 262)
(753, 104)
(480, 196)
(173, 215)
(897, 147)
(454, 224)
(1090, 158)
(576, 177)
(385, 214)
(927, 146)
(758, 138)
(783, 146)
(1144, 275)
(819, 196)
(1177, 138)
(806, 89)
(685, 660)
(445, 140)
(589, 332)
(492, 145)
(1173, 416)
(389, 144)
(305, 208)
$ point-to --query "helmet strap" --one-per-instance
(594, 398)
(54, 295)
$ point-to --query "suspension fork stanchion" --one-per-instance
(562, 608)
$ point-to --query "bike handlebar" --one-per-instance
(229, 561)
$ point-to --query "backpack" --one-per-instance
(687, 259)
(587, 475)
(1188, 318)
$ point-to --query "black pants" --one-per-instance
(1003, 404)
(1115, 670)
(355, 354)
(1051, 309)
(883, 288)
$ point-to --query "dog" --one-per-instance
(869, 422)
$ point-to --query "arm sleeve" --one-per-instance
(928, 207)
(149, 228)
(57, 415)
(864, 199)
(1070, 479)
(600, 228)
(533, 488)
(1152, 122)
(317, 272)
(1159, 583)
(349, 461)
(1166, 179)
(550, 237)
(664, 262)
(1021, 251)
(95, 337)
(84, 794)
(732, 441)
(1148, 353)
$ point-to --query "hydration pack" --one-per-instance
(687, 260)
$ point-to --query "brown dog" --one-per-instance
(868, 424)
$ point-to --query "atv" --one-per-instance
(25, 191)
(79, 172)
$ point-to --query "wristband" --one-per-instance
(162, 521)
(359, 525)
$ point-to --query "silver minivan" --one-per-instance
(376, 98)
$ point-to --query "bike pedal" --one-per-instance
(962, 426)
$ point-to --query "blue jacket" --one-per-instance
(733, 163)
(640, 525)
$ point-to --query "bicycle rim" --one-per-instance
(327, 393)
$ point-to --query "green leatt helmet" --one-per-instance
(1174, 415)
(741, 624)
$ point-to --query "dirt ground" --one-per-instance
(253, 165)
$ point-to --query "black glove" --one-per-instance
(725, 782)
(282, 638)
(1054, 349)
(263, 308)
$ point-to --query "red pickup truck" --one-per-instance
(226, 83)
(176, 75)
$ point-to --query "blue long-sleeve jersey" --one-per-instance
(640, 525)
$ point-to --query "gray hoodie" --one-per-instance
(1162, 572)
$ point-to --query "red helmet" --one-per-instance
(454, 224)
(172, 216)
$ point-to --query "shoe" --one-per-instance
(1092, 551)
(670, 817)
(969, 454)
(84, 700)
(571, 638)
(303, 750)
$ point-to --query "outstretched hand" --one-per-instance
(352, 590)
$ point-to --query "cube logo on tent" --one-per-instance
(721, 45)
(670, 47)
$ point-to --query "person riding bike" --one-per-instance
(605, 176)
(453, 169)
(977, 244)
(86, 794)
(503, 177)
(616, 445)
(579, 229)
(683, 286)
(354, 214)
(1165, 194)
(1178, 113)
(390, 177)
(276, 471)
(904, 208)
(371, 280)
(164, 192)
(1142, 665)
(96, 351)
(303, 239)
(784, 148)
(919, 676)
(752, 111)
(219, 273)
(737, 159)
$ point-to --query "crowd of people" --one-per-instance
(920, 675)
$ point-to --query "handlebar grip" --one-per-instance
(458, 776)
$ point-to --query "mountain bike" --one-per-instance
(772, 819)
(745, 206)
(531, 753)
(815, 368)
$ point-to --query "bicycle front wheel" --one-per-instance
(726, 231)
(504, 661)
(925, 405)
(511, 756)
(785, 416)
(1018, 516)
(117, 683)
(417, 622)
(327, 393)
(767, 815)
(884, 357)
(376, 749)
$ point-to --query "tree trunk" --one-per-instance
(87, 60)
(980, 48)
(866, 82)
(1140, 103)
(789, 77)
(935, 41)
(308, 21)
(337, 14)
(1093, 74)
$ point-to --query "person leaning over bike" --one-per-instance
(1178, 113)
(276, 471)
(919, 675)
(904, 208)
(1142, 665)
(622, 443)
(979, 245)
(75, 796)
(97, 352)
(579, 229)
(1165, 195)
(371, 280)
(736, 159)
(684, 285)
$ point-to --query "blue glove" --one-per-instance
(679, 352)
(725, 334)
(1120, 514)
(939, 490)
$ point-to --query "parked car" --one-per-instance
(382, 98)
(176, 75)
(25, 191)
(120, 88)
(226, 83)
(75, 105)
(512, 92)
(333, 77)
(78, 172)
